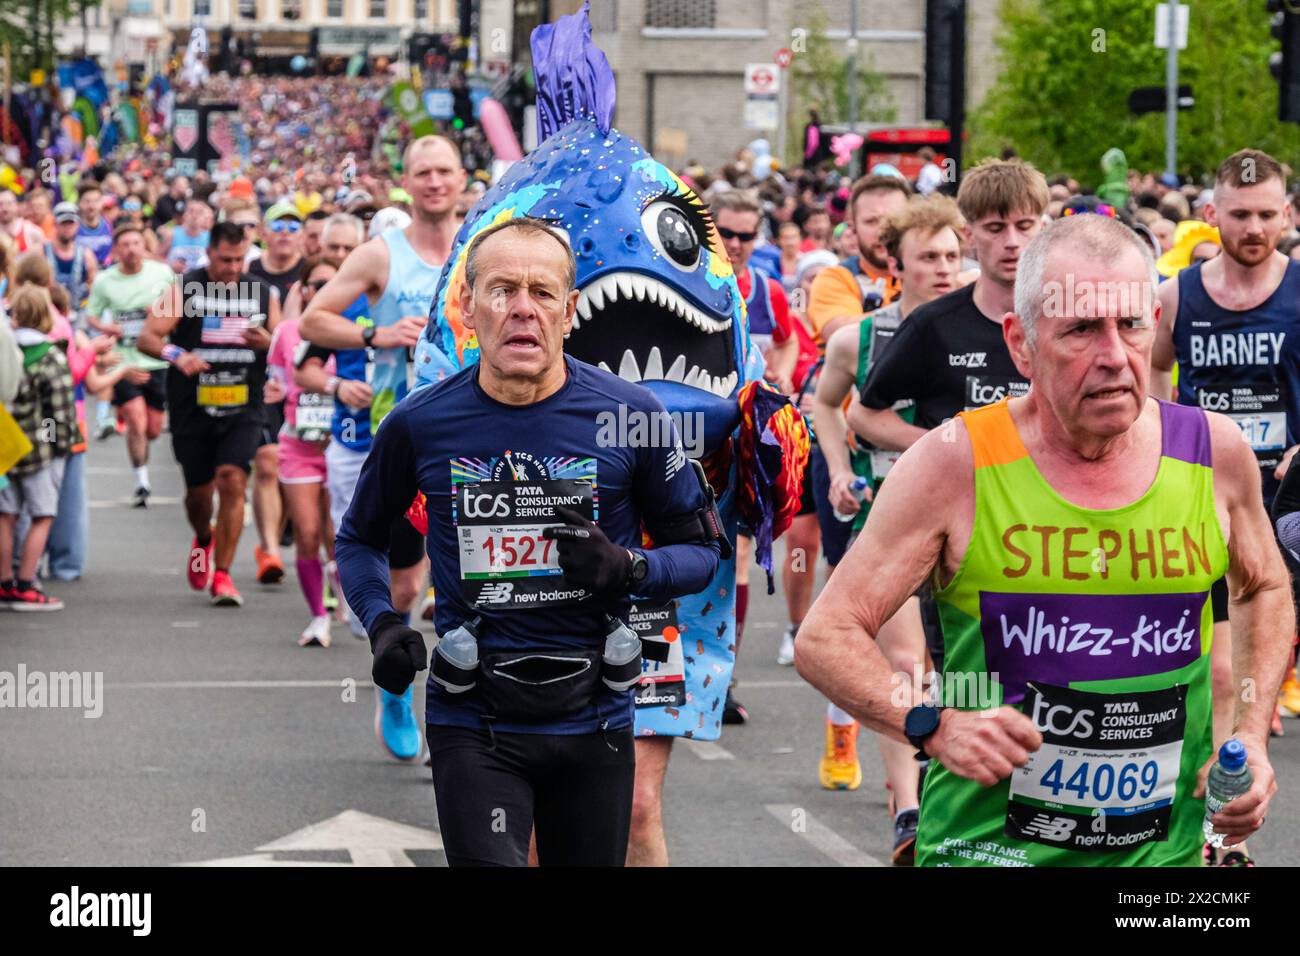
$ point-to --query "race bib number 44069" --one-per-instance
(1107, 773)
(504, 560)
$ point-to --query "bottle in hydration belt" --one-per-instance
(455, 660)
(859, 491)
(621, 663)
(1229, 778)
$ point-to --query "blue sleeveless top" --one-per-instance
(1245, 364)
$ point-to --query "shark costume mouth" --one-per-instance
(622, 320)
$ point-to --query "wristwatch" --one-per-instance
(919, 724)
(368, 335)
(639, 569)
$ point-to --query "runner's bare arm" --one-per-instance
(837, 323)
(883, 427)
(293, 303)
(926, 507)
(834, 384)
(162, 318)
(1162, 352)
(903, 540)
(1263, 619)
(323, 322)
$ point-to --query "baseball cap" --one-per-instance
(282, 210)
(66, 212)
(359, 199)
(389, 218)
(1169, 180)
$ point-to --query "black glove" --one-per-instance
(588, 559)
(399, 652)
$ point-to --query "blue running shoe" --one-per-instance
(396, 726)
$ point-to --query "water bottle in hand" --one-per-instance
(859, 491)
(1229, 778)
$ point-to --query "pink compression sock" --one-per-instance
(310, 575)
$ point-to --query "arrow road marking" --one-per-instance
(369, 841)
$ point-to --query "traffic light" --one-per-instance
(1285, 63)
(945, 68)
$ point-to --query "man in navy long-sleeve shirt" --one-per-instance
(535, 514)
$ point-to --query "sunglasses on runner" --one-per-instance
(285, 225)
(732, 234)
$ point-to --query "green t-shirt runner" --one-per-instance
(875, 332)
(1097, 623)
(127, 299)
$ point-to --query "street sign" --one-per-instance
(1162, 26)
(440, 104)
(762, 79)
(762, 112)
(1152, 99)
(784, 57)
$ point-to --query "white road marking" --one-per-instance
(822, 837)
(372, 841)
(764, 684)
(185, 623)
(369, 841)
(234, 684)
(707, 749)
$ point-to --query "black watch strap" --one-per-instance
(367, 335)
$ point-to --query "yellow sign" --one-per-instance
(38, 77)
(223, 396)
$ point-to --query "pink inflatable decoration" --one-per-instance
(495, 121)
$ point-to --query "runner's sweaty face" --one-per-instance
(1091, 355)
(226, 261)
(520, 308)
(1252, 219)
(931, 262)
(128, 251)
(870, 210)
(435, 180)
(999, 240)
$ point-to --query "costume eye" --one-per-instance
(672, 233)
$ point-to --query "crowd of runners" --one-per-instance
(983, 496)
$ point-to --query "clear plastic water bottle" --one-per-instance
(1229, 778)
(455, 664)
(859, 491)
(621, 666)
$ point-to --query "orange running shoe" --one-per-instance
(839, 768)
(270, 569)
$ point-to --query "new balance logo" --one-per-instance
(968, 360)
(495, 593)
(1057, 829)
(676, 458)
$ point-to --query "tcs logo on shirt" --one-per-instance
(475, 505)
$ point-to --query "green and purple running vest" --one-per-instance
(1097, 624)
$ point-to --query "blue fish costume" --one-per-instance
(659, 305)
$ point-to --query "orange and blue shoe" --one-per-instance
(839, 768)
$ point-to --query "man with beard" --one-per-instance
(1233, 329)
(858, 285)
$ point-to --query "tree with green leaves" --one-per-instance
(1066, 71)
(30, 27)
(819, 77)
